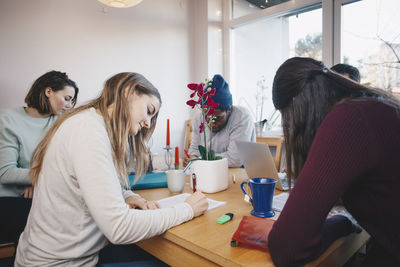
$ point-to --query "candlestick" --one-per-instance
(167, 132)
(168, 156)
(176, 158)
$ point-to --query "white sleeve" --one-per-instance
(91, 161)
(129, 193)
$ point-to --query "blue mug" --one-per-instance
(262, 191)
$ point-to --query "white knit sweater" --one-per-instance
(78, 202)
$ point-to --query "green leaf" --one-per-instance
(193, 159)
(203, 152)
(211, 155)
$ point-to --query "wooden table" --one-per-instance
(203, 242)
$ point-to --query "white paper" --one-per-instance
(170, 201)
(279, 201)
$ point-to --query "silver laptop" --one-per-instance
(258, 162)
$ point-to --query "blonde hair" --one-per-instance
(115, 92)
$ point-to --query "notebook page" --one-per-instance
(170, 201)
(279, 201)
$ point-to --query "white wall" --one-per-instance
(215, 38)
(91, 42)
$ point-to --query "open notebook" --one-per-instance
(258, 162)
(170, 201)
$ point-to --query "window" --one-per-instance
(371, 41)
(305, 34)
(260, 47)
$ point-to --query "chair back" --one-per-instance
(188, 134)
(275, 145)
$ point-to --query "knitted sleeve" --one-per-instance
(241, 129)
(342, 152)
(196, 137)
(10, 172)
(91, 160)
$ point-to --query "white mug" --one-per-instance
(176, 180)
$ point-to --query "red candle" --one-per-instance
(167, 132)
(176, 157)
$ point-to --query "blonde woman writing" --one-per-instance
(80, 174)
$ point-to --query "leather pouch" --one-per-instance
(253, 231)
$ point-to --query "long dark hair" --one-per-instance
(56, 80)
(304, 90)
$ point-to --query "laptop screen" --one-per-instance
(258, 161)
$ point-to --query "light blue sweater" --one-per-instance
(19, 136)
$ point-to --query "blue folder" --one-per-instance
(150, 180)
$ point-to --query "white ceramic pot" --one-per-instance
(211, 175)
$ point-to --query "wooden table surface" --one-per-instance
(204, 242)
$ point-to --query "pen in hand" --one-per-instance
(186, 158)
(187, 166)
(186, 153)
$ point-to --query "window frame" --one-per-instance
(331, 26)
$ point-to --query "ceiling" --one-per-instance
(266, 3)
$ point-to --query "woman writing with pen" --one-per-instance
(83, 160)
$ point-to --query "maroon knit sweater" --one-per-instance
(355, 155)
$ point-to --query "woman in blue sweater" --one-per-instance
(20, 131)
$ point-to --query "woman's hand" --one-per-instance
(27, 192)
(141, 203)
(198, 202)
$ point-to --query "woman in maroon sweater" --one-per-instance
(343, 142)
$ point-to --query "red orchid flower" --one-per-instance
(211, 103)
(201, 127)
(201, 97)
(200, 90)
(192, 86)
(209, 91)
(196, 88)
(191, 103)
